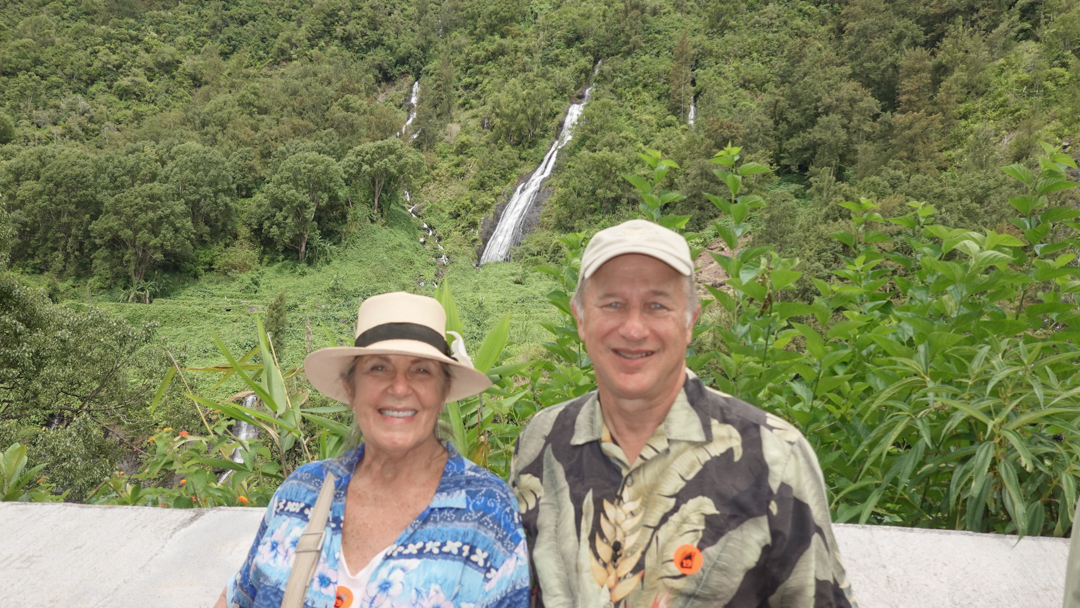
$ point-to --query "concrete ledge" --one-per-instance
(893, 567)
(120, 557)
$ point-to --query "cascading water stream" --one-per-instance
(241, 430)
(508, 231)
(414, 96)
(693, 112)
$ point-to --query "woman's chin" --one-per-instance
(401, 444)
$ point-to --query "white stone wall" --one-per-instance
(138, 557)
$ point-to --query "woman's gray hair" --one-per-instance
(355, 434)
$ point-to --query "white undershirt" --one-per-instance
(352, 588)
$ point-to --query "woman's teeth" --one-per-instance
(398, 413)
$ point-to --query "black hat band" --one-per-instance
(404, 331)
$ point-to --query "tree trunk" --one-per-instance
(378, 190)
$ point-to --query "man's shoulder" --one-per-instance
(726, 409)
(541, 423)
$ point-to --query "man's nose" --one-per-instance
(633, 326)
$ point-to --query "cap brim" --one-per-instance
(671, 260)
(326, 367)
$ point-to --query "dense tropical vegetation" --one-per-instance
(883, 189)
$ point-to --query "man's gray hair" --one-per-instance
(692, 302)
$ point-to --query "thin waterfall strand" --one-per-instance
(241, 430)
(413, 98)
(509, 228)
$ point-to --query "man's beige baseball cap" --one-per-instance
(637, 236)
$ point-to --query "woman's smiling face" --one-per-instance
(397, 400)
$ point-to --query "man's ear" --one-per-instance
(577, 319)
(693, 320)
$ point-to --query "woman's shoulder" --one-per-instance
(304, 483)
(474, 480)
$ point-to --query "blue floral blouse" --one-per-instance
(467, 549)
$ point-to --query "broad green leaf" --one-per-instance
(493, 344)
(844, 237)
(753, 169)
(786, 310)
(254, 386)
(446, 298)
(272, 381)
(728, 235)
(455, 424)
(1063, 159)
(723, 298)
(781, 279)
(1021, 448)
(1014, 502)
(1053, 184)
(1035, 416)
(161, 389)
(674, 222)
(907, 221)
(1024, 204)
(642, 184)
(1020, 173)
(843, 327)
(335, 427)
(981, 465)
(721, 203)
(1057, 214)
(732, 180)
(829, 383)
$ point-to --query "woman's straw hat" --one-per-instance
(397, 324)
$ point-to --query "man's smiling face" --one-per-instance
(634, 325)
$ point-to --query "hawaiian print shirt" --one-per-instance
(467, 549)
(725, 506)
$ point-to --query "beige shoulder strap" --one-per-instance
(309, 547)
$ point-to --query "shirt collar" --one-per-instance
(682, 422)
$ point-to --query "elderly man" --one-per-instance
(655, 490)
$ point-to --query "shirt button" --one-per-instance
(609, 605)
(629, 482)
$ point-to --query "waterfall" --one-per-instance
(413, 98)
(409, 205)
(509, 228)
(241, 430)
(693, 112)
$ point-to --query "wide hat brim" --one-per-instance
(325, 368)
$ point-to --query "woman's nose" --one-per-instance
(400, 386)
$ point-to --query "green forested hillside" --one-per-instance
(168, 169)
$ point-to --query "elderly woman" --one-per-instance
(411, 522)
